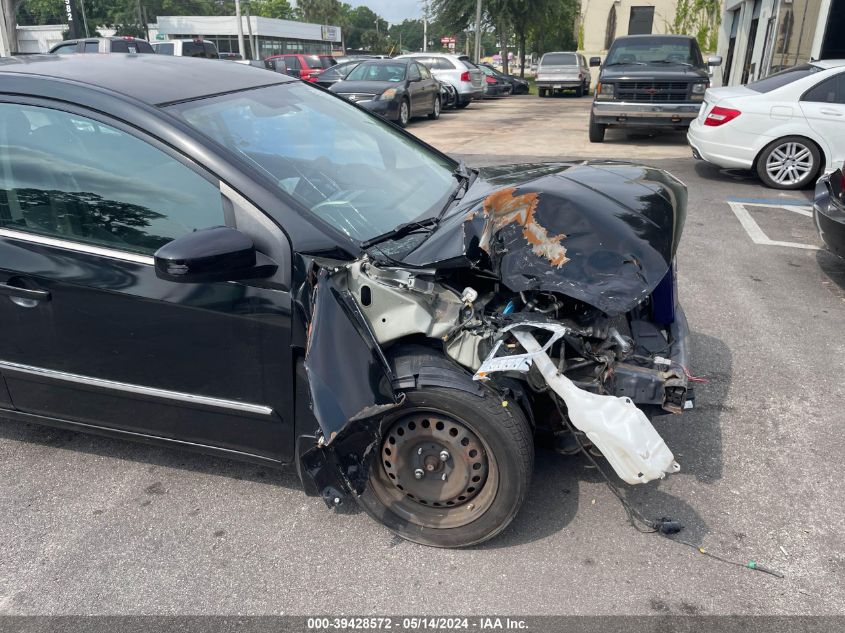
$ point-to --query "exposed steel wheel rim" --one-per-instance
(790, 163)
(435, 471)
(404, 113)
(437, 107)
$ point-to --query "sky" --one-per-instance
(394, 11)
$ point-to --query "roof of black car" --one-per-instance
(153, 79)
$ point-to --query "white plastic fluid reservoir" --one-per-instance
(621, 431)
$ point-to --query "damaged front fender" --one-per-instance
(351, 389)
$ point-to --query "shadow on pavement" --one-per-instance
(144, 453)
(695, 438)
(833, 267)
(740, 177)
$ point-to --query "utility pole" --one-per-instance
(425, 26)
(241, 48)
(85, 20)
(477, 31)
(253, 41)
(5, 48)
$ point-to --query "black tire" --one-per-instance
(462, 104)
(805, 152)
(579, 91)
(435, 114)
(507, 449)
(541, 92)
(596, 130)
(404, 115)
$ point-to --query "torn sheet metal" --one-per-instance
(349, 377)
(517, 362)
(603, 233)
(620, 430)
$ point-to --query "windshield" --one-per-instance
(653, 50)
(377, 72)
(351, 169)
(559, 59)
(784, 77)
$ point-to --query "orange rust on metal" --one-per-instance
(508, 208)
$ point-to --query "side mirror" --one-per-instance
(220, 253)
(595, 61)
(714, 60)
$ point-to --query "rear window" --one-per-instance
(131, 46)
(319, 61)
(210, 50)
(469, 64)
(164, 49)
(559, 59)
(784, 77)
(193, 49)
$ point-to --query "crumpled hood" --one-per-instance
(604, 233)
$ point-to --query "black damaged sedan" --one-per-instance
(232, 261)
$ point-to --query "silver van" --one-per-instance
(563, 71)
(465, 76)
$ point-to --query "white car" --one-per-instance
(789, 127)
(457, 70)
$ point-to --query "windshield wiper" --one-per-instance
(400, 231)
(463, 176)
(669, 61)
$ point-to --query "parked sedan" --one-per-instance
(397, 89)
(787, 127)
(330, 76)
(279, 277)
(829, 210)
(518, 85)
(493, 85)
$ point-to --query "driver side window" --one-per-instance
(73, 178)
(413, 72)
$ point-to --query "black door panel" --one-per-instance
(114, 320)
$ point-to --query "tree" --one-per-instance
(322, 11)
(362, 22)
(280, 9)
(408, 35)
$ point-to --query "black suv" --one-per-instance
(649, 80)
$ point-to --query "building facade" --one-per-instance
(759, 37)
(270, 36)
(602, 21)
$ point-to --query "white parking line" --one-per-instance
(756, 233)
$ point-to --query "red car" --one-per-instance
(306, 66)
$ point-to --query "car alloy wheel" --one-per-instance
(404, 114)
(435, 114)
(790, 164)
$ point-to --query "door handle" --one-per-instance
(16, 292)
(830, 112)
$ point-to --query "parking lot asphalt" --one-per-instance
(92, 525)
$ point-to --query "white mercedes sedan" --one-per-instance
(788, 127)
